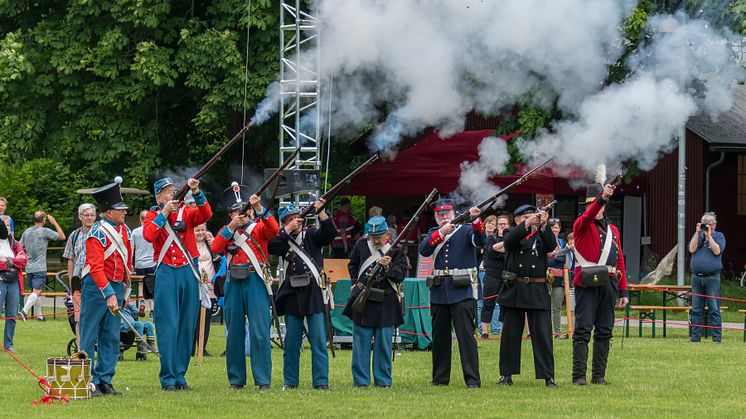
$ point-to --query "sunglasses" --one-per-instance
(554, 220)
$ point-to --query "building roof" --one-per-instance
(728, 131)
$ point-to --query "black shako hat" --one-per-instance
(592, 192)
(235, 196)
(109, 196)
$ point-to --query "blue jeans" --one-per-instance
(706, 285)
(480, 300)
(145, 329)
(10, 296)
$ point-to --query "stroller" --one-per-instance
(126, 339)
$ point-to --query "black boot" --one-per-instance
(579, 362)
(151, 342)
(142, 348)
(600, 358)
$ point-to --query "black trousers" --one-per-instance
(594, 309)
(540, 324)
(461, 316)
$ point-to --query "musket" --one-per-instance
(201, 336)
(118, 312)
(275, 176)
(201, 172)
(331, 193)
(328, 315)
(465, 217)
(616, 180)
(359, 304)
(548, 206)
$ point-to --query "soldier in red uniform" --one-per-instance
(170, 227)
(600, 279)
(108, 267)
(247, 289)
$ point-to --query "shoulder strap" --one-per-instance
(298, 250)
(373, 258)
(116, 244)
(440, 246)
(604, 252)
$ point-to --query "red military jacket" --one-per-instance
(153, 230)
(113, 268)
(588, 243)
(266, 228)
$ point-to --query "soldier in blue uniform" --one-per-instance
(382, 311)
(525, 294)
(454, 290)
(303, 294)
(108, 268)
(248, 287)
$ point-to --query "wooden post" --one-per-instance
(566, 276)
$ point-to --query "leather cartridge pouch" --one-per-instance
(508, 276)
(300, 281)
(594, 276)
(240, 272)
(433, 281)
(461, 281)
(376, 295)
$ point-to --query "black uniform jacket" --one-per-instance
(526, 256)
(387, 313)
(304, 300)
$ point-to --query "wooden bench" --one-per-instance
(744, 323)
(647, 313)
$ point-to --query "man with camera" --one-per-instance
(706, 247)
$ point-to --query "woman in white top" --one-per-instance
(12, 261)
(209, 263)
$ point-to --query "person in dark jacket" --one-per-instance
(382, 312)
(303, 294)
(525, 295)
(454, 289)
(494, 262)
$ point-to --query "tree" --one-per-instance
(127, 87)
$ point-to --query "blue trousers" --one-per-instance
(247, 298)
(99, 329)
(293, 342)
(706, 285)
(10, 296)
(143, 328)
(361, 349)
(177, 308)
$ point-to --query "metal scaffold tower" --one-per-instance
(299, 84)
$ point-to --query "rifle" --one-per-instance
(466, 217)
(275, 176)
(337, 187)
(616, 180)
(359, 304)
(201, 172)
(548, 206)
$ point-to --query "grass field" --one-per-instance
(651, 378)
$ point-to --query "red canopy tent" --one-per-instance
(435, 162)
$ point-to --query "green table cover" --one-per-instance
(417, 325)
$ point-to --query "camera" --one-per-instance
(703, 226)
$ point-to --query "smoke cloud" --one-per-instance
(409, 65)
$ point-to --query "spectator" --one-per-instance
(75, 254)
(145, 329)
(490, 226)
(706, 246)
(556, 261)
(3, 208)
(391, 221)
(209, 264)
(35, 240)
(12, 261)
(347, 228)
(494, 262)
(144, 264)
(570, 265)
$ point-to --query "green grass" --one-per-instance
(651, 378)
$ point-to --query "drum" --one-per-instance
(70, 376)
